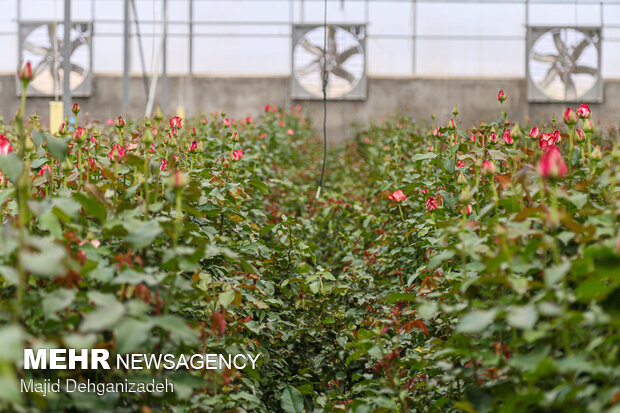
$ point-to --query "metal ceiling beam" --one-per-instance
(66, 61)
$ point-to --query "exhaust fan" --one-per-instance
(41, 43)
(345, 64)
(564, 64)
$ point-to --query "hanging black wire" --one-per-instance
(325, 75)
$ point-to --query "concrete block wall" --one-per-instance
(240, 96)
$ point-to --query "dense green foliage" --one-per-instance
(483, 290)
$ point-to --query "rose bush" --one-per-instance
(442, 269)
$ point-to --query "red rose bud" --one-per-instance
(45, 168)
(468, 210)
(238, 154)
(581, 136)
(493, 137)
(193, 147)
(551, 164)
(588, 126)
(488, 168)
(431, 203)
(25, 73)
(175, 122)
(75, 109)
(5, 145)
(164, 165)
(117, 153)
(570, 117)
(501, 96)
(584, 111)
(535, 133)
(193, 131)
(398, 196)
(507, 138)
(79, 135)
(451, 124)
(62, 129)
(119, 123)
(180, 179)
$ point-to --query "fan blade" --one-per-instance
(570, 90)
(340, 72)
(39, 50)
(78, 69)
(346, 54)
(592, 71)
(547, 58)
(332, 48)
(307, 69)
(579, 49)
(40, 67)
(51, 34)
(551, 74)
(76, 43)
(559, 44)
(315, 50)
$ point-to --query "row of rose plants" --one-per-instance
(497, 253)
(441, 269)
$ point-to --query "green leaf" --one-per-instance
(103, 318)
(523, 317)
(555, 274)
(591, 290)
(38, 137)
(179, 331)
(259, 186)
(227, 297)
(479, 399)
(396, 297)
(48, 221)
(11, 166)
(422, 156)
(56, 147)
(448, 165)
(144, 234)
(10, 274)
(130, 334)
(91, 206)
(497, 155)
(57, 300)
(11, 337)
(611, 304)
(47, 263)
(475, 321)
(291, 401)
(579, 199)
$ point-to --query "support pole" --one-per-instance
(66, 61)
(126, 57)
(191, 38)
(164, 72)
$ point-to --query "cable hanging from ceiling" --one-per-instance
(324, 90)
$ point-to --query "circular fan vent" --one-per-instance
(563, 63)
(42, 45)
(344, 61)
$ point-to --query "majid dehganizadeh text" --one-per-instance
(93, 359)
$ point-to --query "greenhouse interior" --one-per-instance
(362, 206)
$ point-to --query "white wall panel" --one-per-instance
(454, 39)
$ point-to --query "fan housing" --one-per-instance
(42, 43)
(345, 61)
(563, 64)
